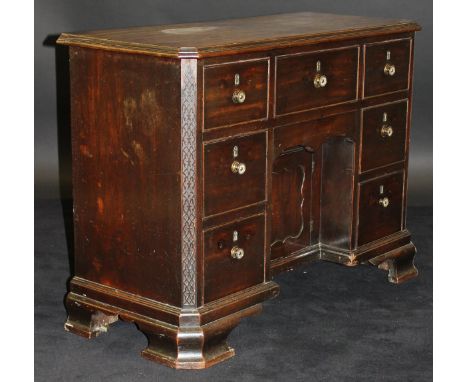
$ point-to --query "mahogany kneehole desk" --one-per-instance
(208, 157)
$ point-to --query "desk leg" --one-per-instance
(182, 338)
(399, 263)
(86, 322)
(191, 346)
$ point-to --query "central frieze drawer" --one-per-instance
(309, 80)
(234, 257)
(234, 173)
(235, 92)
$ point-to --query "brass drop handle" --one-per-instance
(384, 202)
(389, 69)
(386, 131)
(238, 96)
(238, 167)
(320, 80)
(237, 252)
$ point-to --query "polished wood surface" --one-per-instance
(379, 150)
(225, 275)
(126, 214)
(337, 192)
(189, 198)
(295, 90)
(291, 207)
(375, 220)
(376, 81)
(220, 84)
(222, 186)
(214, 38)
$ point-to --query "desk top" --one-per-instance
(224, 37)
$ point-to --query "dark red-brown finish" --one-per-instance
(241, 36)
(337, 191)
(376, 81)
(127, 212)
(375, 220)
(219, 86)
(379, 150)
(311, 137)
(295, 90)
(314, 133)
(291, 219)
(225, 275)
(157, 206)
(222, 185)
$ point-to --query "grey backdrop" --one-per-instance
(55, 16)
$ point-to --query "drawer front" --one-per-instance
(311, 80)
(380, 207)
(383, 135)
(387, 67)
(235, 93)
(226, 188)
(234, 257)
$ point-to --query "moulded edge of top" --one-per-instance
(89, 41)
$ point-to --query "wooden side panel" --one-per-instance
(126, 171)
(337, 192)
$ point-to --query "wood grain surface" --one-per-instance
(230, 36)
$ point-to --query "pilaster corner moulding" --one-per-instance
(188, 72)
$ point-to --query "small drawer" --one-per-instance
(235, 92)
(387, 67)
(234, 172)
(380, 207)
(234, 257)
(383, 135)
(309, 80)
